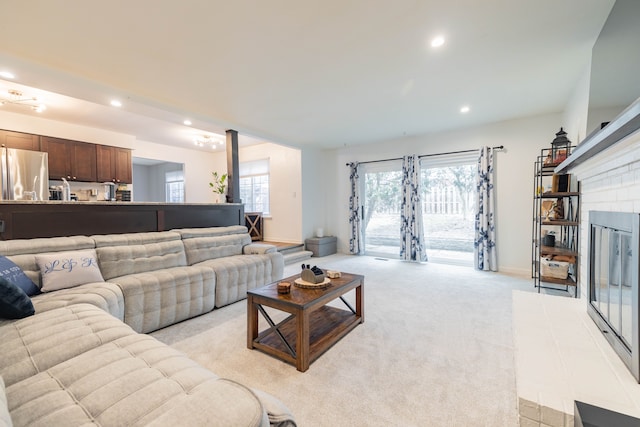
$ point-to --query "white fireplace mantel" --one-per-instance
(625, 124)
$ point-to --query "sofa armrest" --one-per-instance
(279, 415)
(258, 248)
(5, 418)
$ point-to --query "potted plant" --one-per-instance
(219, 185)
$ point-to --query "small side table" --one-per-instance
(253, 221)
(322, 246)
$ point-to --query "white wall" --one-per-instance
(141, 183)
(198, 166)
(319, 196)
(575, 114)
(40, 125)
(149, 181)
(285, 175)
(522, 138)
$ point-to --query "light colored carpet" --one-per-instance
(436, 349)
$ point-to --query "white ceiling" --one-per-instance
(313, 73)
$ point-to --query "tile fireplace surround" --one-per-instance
(561, 355)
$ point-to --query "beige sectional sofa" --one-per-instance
(83, 358)
(239, 264)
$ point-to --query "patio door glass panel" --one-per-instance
(381, 211)
(448, 206)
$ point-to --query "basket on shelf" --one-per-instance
(554, 269)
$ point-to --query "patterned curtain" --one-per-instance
(485, 238)
(355, 220)
(411, 229)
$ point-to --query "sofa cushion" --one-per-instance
(200, 249)
(14, 303)
(5, 418)
(235, 275)
(133, 253)
(189, 233)
(62, 270)
(160, 298)
(14, 274)
(39, 342)
(132, 381)
(104, 295)
(22, 251)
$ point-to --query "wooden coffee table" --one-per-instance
(312, 326)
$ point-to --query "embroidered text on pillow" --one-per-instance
(69, 264)
(67, 269)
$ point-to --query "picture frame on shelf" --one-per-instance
(560, 183)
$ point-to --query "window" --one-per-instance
(174, 187)
(254, 185)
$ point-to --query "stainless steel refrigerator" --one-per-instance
(24, 174)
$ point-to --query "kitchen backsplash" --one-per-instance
(88, 191)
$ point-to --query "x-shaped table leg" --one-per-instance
(276, 328)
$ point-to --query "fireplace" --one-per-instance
(614, 245)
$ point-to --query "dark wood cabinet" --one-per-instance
(76, 160)
(20, 140)
(83, 161)
(73, 160)
(106, 163)
(114, 164)
(59, 157)
(124, 169)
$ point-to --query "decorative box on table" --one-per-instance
(322, 246)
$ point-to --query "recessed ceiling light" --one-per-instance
(437, 42)
(7, 75)
(465, 109)
(187, 122)
(116, 103)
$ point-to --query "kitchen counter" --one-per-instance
(27, 219)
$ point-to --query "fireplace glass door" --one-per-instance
(614, 249)
(611, 292)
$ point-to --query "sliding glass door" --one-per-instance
(381, 188)
(448, 194)
(448, 206)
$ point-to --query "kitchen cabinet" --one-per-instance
(114, 164)
(20, 140)
(73, 160)
(556, 221)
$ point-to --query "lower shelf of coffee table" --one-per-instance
(327, 325)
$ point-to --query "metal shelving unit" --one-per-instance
(566, 229)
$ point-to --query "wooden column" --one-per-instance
(233, 177)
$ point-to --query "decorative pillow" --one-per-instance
(14, 274)
(68, 269)
(14, 303)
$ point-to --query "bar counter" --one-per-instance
(52, 218)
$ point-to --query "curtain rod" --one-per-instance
(499, 147)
